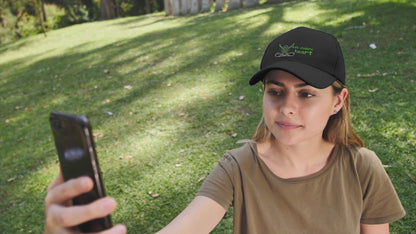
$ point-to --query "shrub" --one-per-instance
(54, 16)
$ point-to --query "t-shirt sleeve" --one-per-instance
(381, 203)
(219, 184)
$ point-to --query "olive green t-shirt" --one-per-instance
(352, 188)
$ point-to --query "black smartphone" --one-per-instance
(77, 156)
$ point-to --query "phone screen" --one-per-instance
(77, 156)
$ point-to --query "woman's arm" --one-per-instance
(374, 228)
(201, 216)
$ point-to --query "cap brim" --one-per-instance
(309, 74)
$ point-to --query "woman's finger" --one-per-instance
(75, 215)
(64, 192)
(118, 229)
(58, 180)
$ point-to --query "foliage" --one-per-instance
(22, 18)
(14, 14)
(167, 96)
(55, 15)
(76, 11)
(132, 8)
(6, 18)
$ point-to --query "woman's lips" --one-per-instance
(287, 125)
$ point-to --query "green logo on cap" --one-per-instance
(285, 51)
(289, 51)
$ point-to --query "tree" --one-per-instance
(43, 10)
(205, 5)
(108, 9)
(218, 5)
(250, 3)
(40, 12)
(147, 6)
(168, 7)
(175, 7)
(234, 4)
(91, 8)
(184, 7)
(21, 18)
(194, 7)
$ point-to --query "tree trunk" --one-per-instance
(194, 7)
(184, 7)
(39, 13)
(218, 5)
(234, 4)
(43, 11)
(168, 7)
(147, 6)
(274, 1)
(108, 9)
(250, 3)
(205, 5)
(175, 7)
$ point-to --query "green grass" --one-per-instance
(174, 86)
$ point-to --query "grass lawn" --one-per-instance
(168, 96)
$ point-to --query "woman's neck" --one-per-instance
(295, 160)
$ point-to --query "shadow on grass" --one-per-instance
(197, 51)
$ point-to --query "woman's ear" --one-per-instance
(340, 100)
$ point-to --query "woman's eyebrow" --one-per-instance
(300, 85)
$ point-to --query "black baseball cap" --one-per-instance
(311, 55)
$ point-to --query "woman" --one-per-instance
(304, 171)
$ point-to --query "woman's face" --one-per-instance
(295, 112)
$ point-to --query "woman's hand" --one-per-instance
(62, 217)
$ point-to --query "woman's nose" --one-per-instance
(289, 105)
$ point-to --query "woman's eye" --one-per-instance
(274, 93)
(306, 94)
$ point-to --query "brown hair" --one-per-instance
(338, 130)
